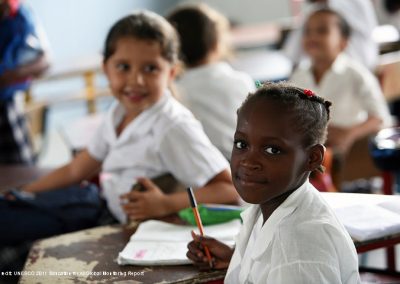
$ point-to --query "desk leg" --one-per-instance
(391, 258)
(387, 183)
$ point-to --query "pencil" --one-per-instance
(196, 214)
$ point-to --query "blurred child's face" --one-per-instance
(138, 74)
(322, 39)
(268, 158)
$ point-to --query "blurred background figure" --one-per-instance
(361, 17)
(209, 86)
(23, 57)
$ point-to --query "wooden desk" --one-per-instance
(91, 255)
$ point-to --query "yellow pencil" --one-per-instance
(196, 213)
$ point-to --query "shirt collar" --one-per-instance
(251, 215)
(339, 65)
(144, 122)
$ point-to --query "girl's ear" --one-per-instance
(316, 156)
(173, 72)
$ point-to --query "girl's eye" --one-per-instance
(122, 67)
(273, 150)
(240, 144)
(150, 68)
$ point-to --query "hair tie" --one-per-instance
(258, 84)
(309, 93)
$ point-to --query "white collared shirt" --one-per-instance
(353, 90)
(301, 242)
(164, 138)
(213, 93)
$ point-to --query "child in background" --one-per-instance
(146, 133)
(359, 108)
(361, 17)
(290, 234)
(22, 56)
(210, 88)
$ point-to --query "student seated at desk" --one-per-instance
(359, 108)
(289, 234)
(147, 133)
(209, 87)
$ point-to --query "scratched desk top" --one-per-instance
(90, 256)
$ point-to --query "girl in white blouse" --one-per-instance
(147, 133)
(289, 233)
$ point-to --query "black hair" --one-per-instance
(200, 30)
(344, 27)
(144, 25)
(311, 112)
(391, 6)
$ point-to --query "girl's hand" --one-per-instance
(221, 254)
(150, 203)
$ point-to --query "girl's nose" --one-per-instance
(251, 162)
(137, 78)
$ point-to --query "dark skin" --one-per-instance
(268, 163)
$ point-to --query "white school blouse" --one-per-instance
(352, 89)
(164, 138)
(302, 242)
(213, 93)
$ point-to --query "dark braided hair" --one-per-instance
(144, 25)
(310, 112)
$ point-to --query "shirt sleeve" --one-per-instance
(189, 155)
(373, 99)
(98, 147)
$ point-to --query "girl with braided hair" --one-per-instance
(289, 233)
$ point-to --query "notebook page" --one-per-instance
(161, 243)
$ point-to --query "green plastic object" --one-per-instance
(211, 214)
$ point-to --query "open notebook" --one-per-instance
(161, 243)
(371, 221)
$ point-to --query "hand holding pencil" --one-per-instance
(204, 251)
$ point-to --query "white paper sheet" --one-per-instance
(161, 243)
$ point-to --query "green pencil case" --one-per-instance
(211, 214)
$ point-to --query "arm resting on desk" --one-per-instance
(343, 138)
(83, 166)
(154, 203)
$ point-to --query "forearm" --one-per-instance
(55, 180)
(370, 126)
(21, 73)
(33, 69)
(81, 167)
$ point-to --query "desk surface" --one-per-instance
(89, 256)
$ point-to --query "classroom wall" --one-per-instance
(76, 28)
(245, 12)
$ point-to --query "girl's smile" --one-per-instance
(138, 74)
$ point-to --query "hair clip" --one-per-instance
(309, 93)
(258, 84)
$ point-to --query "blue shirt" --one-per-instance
(19, 44)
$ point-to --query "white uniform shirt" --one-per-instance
(213, 93)
(352, 89)
(301, 242)
(165, 138)
(362, 20)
